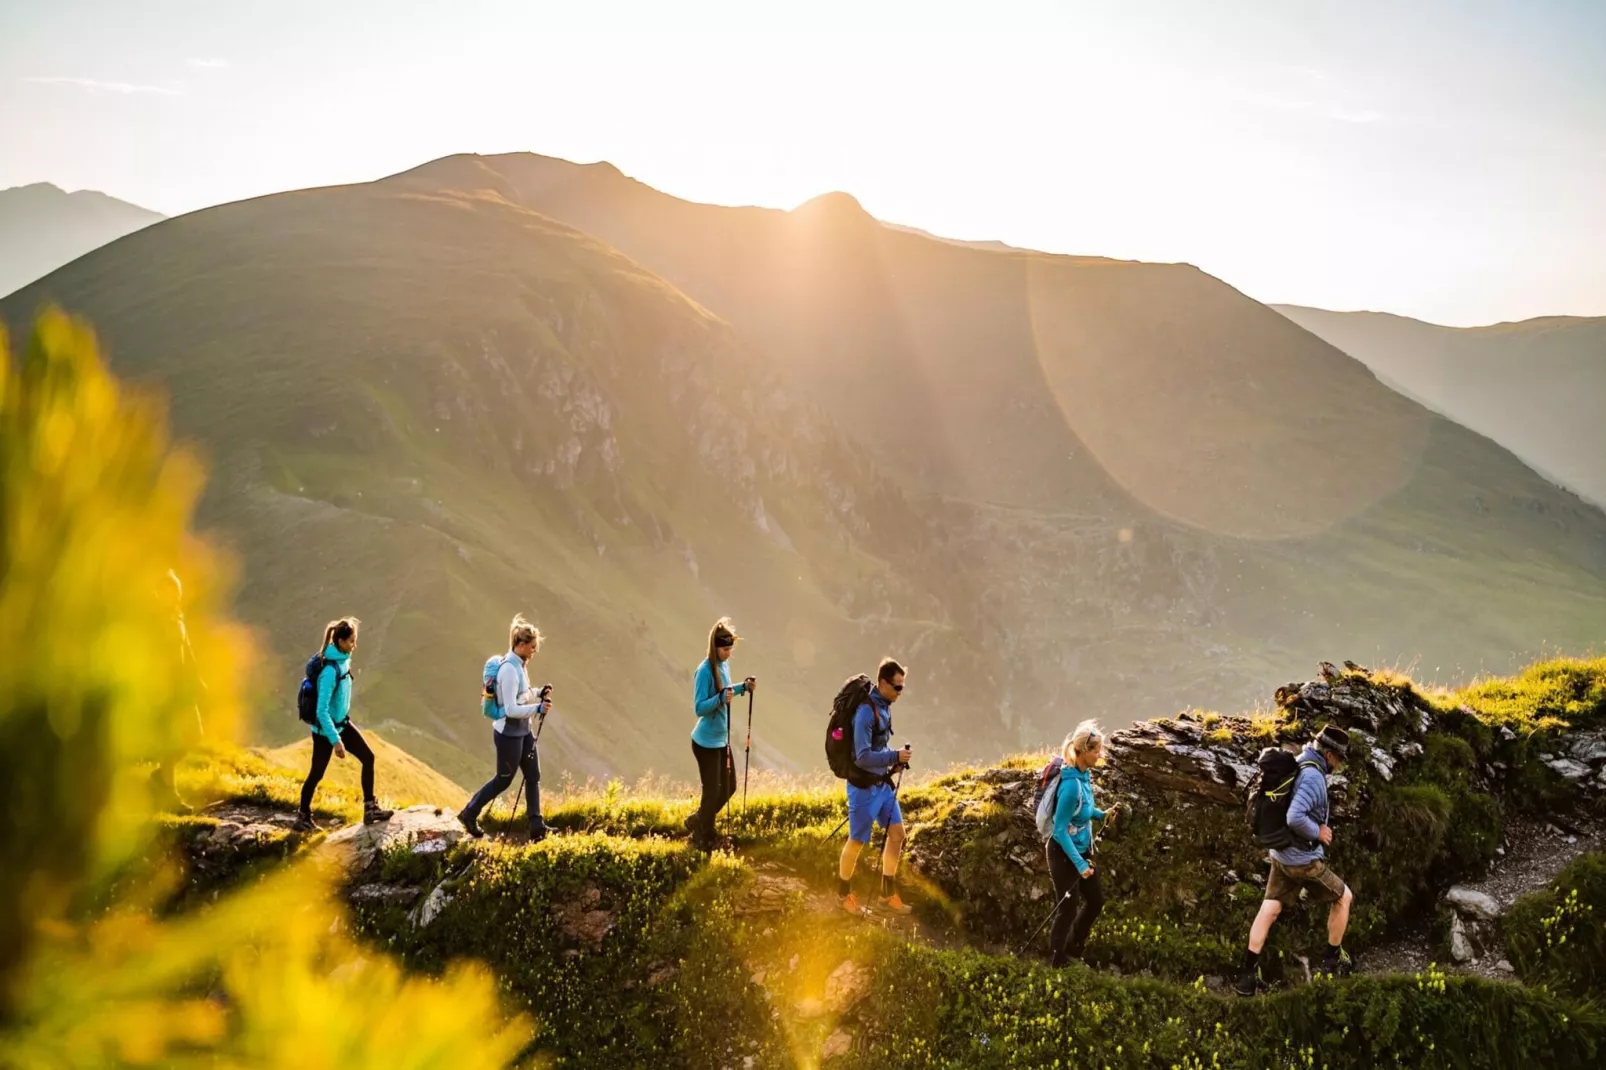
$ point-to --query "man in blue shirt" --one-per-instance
(1303, 864)
(871, 797)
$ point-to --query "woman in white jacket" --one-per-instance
(510, 731)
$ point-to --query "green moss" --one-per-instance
(1557, 936)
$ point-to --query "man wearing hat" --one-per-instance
(1303, 865)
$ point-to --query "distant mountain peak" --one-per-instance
(833, 205)
(35, 187)
(42, 227)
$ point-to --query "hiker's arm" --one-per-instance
(1066, 805)
(865, 756)
(705, 693)
(326, 701)
(507, 689)
(740, 689)
(1305, 799)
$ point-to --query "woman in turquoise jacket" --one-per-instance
(710, 739)
(1070, 848)
(333, 732)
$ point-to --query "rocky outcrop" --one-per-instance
(1181, 783)
(423, 829)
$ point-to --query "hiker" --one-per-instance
(1303, 864)
(710, 738)
(333, 731)
(1070, 847)
(872, 799)
(513, 705)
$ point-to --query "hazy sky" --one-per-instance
(1438, 158)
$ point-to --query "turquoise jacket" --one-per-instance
(1074, 814)
(334, 694)
(713, 720)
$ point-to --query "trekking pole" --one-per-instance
(517, 795)
(1043, 924)
(747, 754)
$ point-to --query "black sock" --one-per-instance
(844, 886)
(1335, 951)
(886, 886)
(1251, 960)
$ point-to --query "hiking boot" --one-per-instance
(892, 904)
(691, 823)
(850, 903)
(305, 823)
(471, 826)
(1248, 982)
(1336, 963)
(540, 832)
(373, 813)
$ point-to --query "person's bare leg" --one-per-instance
(1261, 929)
(1337, 918)
(892, 852)
(849, 859)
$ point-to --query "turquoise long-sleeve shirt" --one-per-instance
(1074, 814)
(713, 720)
(334, 694)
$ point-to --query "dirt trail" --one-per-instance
(1534, 852)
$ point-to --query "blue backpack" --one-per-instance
(307, 693)
(490, 704)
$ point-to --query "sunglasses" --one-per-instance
(897, 687)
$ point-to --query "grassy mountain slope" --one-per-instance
(43, 227)
(1151, 478)
(1535, 387)
(401, 779)
(433, 410)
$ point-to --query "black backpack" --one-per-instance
(307, 693)
(1268, 796)
(839, 732)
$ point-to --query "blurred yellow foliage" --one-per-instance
(98, 685)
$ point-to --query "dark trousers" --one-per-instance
(322, 749)
(716, 767)
(513, 753)
(1074, 919)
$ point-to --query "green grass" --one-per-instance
(679, 969)
(684, 975)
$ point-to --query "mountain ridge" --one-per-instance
(42, 227)
(1532, 385)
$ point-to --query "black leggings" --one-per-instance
(1072, 923)
(356, 746)
(513, 754)
(716, 767)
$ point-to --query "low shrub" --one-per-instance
(1557, 936)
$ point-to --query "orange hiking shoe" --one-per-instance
(850, 903)
(893, 904)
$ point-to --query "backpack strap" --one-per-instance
(1077, 781)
